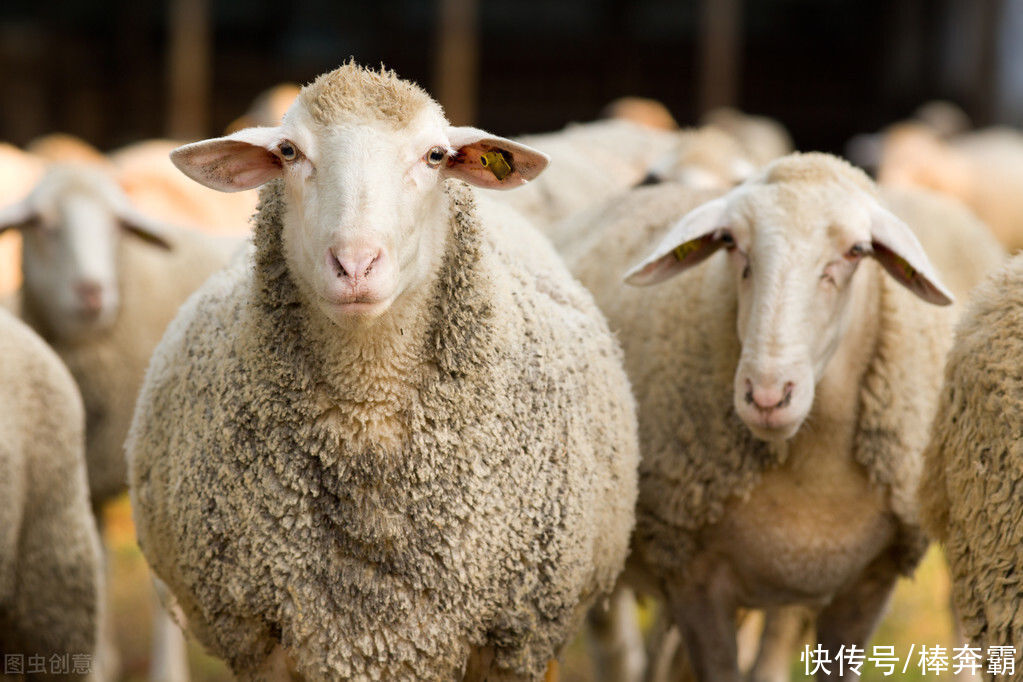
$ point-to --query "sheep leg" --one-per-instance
(704, 610)
(784, 628)
(169, 656)
(616, 641)
(853, 614)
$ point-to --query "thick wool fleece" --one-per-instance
(974, 463)
(109, 365)
(50, 566)
(271, 507)
(681, 351)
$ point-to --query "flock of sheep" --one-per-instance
(411, 429)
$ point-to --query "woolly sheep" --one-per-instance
(972, 465)
(821, 403)
(51, 588)
(762, 138)
(983, 169)
(396, 442)
(702, 158)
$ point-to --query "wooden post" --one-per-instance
(457, 65)
(720, 45)
(188, 69)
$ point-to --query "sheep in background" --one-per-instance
(267, 109)
(762, 138)
(397, 441)
(103, 302)
(589, 162)
(19, 173)
(51, 584)
(983, 169)
(969, 491)
(725, 447)
(156, 188)
(641, 110)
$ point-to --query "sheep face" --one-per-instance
(793, 248)
(71, 225)
(366, 215)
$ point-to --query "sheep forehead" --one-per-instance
(62, 183)
(804, 218)
(354, 93)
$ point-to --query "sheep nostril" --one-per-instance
(339, 269)
(749, 392)
(788, 394)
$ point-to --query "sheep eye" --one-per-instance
(436, 156)
(858, 250)
(288, 151)
(727, 239)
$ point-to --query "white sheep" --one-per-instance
(51, 583)
(396, 442)
(103, 302)
(969, 493)
(19, 172)
(784, 391)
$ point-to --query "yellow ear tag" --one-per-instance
(497, 163)
(686, 249)
(908, 270)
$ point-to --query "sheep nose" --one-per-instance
(90, 295)
(355, 265)
(768, 398)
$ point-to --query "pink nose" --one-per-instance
(355, 265)
(768, 398)
(90, 295)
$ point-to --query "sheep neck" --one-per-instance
(367, 378)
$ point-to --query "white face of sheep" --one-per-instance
(794, 252)
(71, 226)
(366, 215)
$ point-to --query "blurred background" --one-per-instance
(114, 72)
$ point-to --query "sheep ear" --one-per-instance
(490, 161)
(900, 253)
(691, 240)
(16, 215)
(240, 161)
(144, 227)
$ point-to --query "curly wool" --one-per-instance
(974, 463)
(109, 365)
(681, 351)
(51, 584)
(275, 513)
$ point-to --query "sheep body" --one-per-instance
(479, 505)
(973, 464)
(51, 587)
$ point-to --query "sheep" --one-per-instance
(721, 415)
(762, 138)
(51, 586)
(102, 303)
(396, 442)
(983, 169)
(972, 466)
(703, 158)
